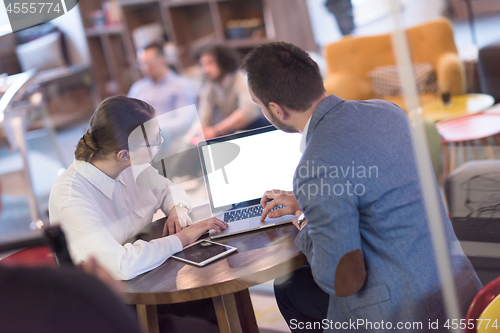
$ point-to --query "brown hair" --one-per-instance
(227, 59)
(284, 74)
(110, 126)
(156, 46)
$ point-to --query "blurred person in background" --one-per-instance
(62, 300)
(47, 299)
(225, 105)
(165, 91)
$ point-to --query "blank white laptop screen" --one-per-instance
(265, 161)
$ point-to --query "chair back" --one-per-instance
(48, 250)
(351, 60)
(31, 257)
(484, 298)
(490, 317)
(359, 55)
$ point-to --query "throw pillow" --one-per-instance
(385, 80)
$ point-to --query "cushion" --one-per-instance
(42, 53)
(385, 80)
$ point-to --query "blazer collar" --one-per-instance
(327, 105)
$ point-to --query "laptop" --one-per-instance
(239, 168)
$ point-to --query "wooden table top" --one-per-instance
(261, 256)
(461, 105)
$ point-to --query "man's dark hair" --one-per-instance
(156, 46)
(227, 58)
(284, 74)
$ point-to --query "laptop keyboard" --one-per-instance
(246, 213)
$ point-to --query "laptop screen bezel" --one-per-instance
(225, 138)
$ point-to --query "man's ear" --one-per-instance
(280, 112)
(123, 155)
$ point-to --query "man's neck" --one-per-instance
(303, 117)
(160, 77)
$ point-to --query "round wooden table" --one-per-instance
(461, 105)
(262, 256)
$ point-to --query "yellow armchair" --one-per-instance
(351, 59)
(348, 86)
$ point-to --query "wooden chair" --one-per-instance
(457, 134)
(486, 296)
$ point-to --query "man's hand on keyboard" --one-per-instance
(278, 197)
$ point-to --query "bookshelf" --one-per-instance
(188, 24)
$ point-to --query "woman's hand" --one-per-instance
(191, 233)
(178, 218)
(278, 197)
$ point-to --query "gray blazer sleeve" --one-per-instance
(332, 231)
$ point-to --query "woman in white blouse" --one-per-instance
(110, 193)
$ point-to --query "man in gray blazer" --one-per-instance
(365, 232)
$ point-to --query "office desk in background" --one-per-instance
(262, 256)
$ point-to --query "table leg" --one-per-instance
(227, 314)
(246, 313)
(488, 150)
(453, 156)
(497, 139)
(474, 150)
(148, 318)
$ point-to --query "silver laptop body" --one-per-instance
(239, 168)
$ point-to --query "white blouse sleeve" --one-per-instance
(87, 236)
(174, 195)
(169, 193)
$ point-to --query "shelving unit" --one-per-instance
(109, 50)
(188, 24)
(108, 30)
(479, 8)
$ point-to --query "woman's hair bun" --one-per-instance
(86, 147)
(110, 127)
